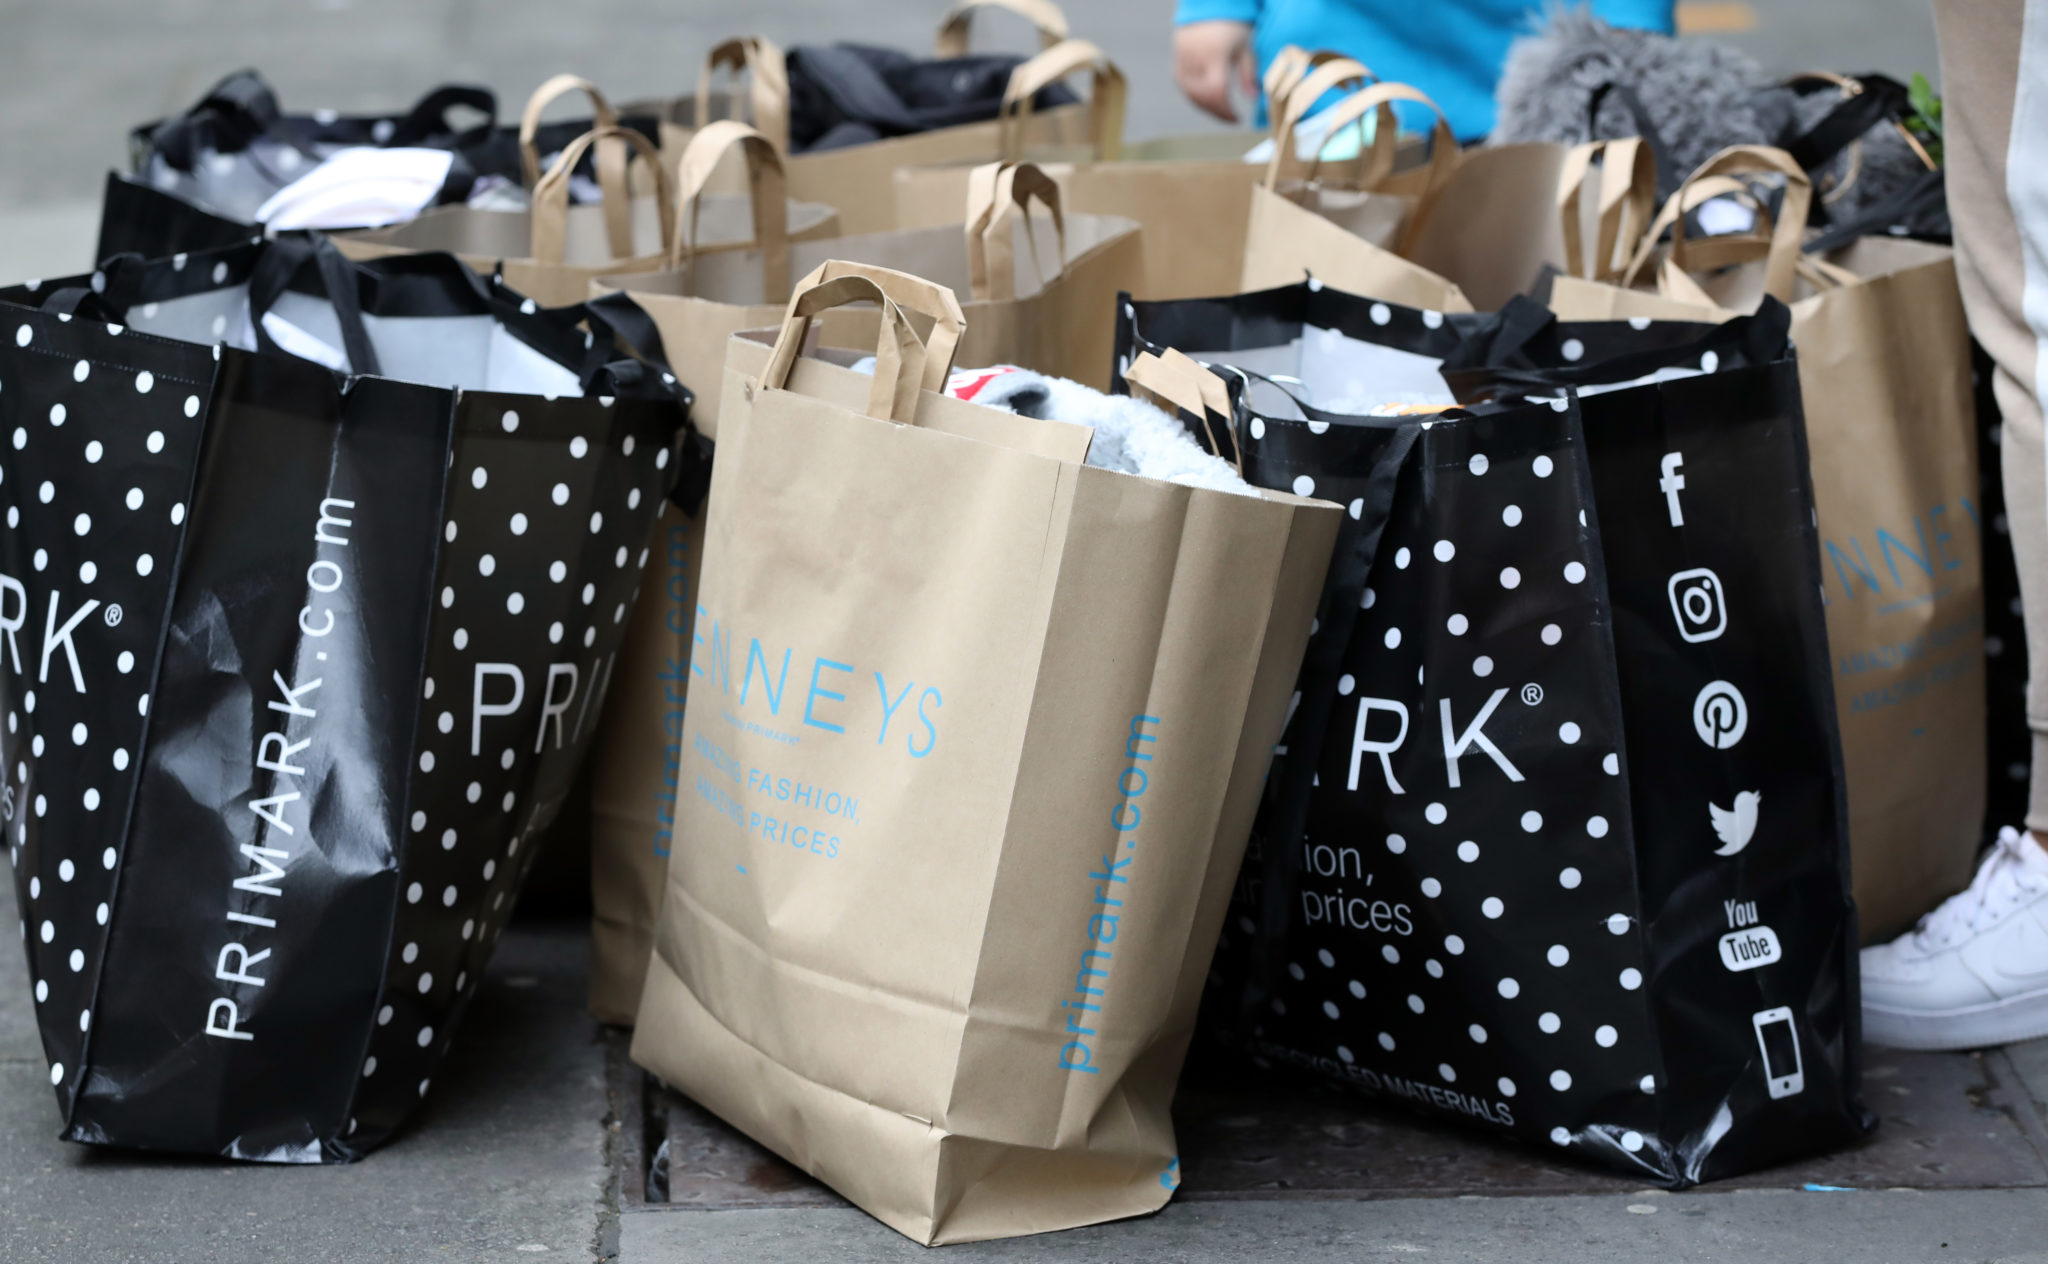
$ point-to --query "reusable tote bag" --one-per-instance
(934, 645)
(236, 153)
(1557, 846)
(300, 666)
(1884, 367)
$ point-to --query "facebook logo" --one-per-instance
(1673, 483)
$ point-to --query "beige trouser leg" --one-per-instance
(1995, 119)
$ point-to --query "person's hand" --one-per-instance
(1205, 57)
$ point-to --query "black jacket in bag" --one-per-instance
(299, 665)
(851, 94)
(1558, 841)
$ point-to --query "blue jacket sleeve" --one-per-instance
(1648, 15)
(1247, 11)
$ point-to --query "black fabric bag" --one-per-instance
(851, 94)
(137, 219)
(297, 666)
(236, 147)
(1557, 841)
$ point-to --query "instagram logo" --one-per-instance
(1697, 604)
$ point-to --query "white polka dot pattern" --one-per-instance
(484, 795)
(76, 401)
(1485, 637)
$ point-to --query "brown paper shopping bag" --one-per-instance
(975, 738)
(1484, 226)
(855, 179)
(1040, 291)
(1187, 192)
(1884, 367)
(1064, 326)
(1347, 230)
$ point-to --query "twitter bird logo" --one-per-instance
(1737, 825)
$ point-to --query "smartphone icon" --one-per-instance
(1779, 1041)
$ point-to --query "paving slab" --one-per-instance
(1865, 1228)
(508, 1159)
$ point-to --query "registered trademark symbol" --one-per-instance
(113, 616)
(1532, 694)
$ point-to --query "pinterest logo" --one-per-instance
(1719, 715)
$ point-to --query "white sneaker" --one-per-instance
(1975, 971)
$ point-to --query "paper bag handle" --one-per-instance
(1046, 16)
(1291, 107)
(1702, 191)
(1105, 98)
(1289, 67)
(767, 193)
(913, 294)
(767, 74)
(549, 218)
(1628, 191)
(612, 159)
(1174, 378)
(900, 359)
(997, 194)
(1781, 265)
(602, 115)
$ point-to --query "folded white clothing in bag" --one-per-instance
(361, 187)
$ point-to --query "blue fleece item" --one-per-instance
(1452, 50)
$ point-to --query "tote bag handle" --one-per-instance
(549, 217)
(900, 359)
(767, 191)
(340, 282)
(1042, 14)
(997, 194)
(767, 73)
(1105, 97)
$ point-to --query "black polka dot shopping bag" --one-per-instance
(1555, 844)
(312, 577)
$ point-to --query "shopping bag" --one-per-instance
(855, 178)
(1884, 367)
(1558, 843)
(139, 219)
(683, 317)
(1039, 290)
(301, 665)
(1187, 192)
(1484, 227)
(237, 154)
(1121, 650)
(553, 251)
